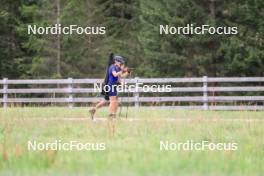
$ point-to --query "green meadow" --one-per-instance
(134, 147)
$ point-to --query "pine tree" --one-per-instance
(44, 49)
(81, 53)
(121, 20)
(243, 54)
(132, 30)
(198, 55)
(11, 52)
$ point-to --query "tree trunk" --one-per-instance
(212, 10)
(58, 41)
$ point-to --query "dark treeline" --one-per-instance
(132, 30)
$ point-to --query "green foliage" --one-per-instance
(132, 30)
(10, 41)
(121, 21)
(194, 55)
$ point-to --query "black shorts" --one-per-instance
(111, 92)
(106, 97)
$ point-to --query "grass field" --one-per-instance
(134, 149)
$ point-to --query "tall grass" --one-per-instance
(133, 149)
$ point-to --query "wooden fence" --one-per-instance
(208, 97)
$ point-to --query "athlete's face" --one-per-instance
(122, 66)
(118, 64)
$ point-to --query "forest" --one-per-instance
(132, 30)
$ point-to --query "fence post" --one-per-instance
(70, 87)
(136, 93)
(5, 93)
(205, 93)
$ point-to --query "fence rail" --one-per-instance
(69, 87)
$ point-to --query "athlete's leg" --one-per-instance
(100, 104)
(112, 110)
(113, 105)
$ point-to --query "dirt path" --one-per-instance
(147, 119)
